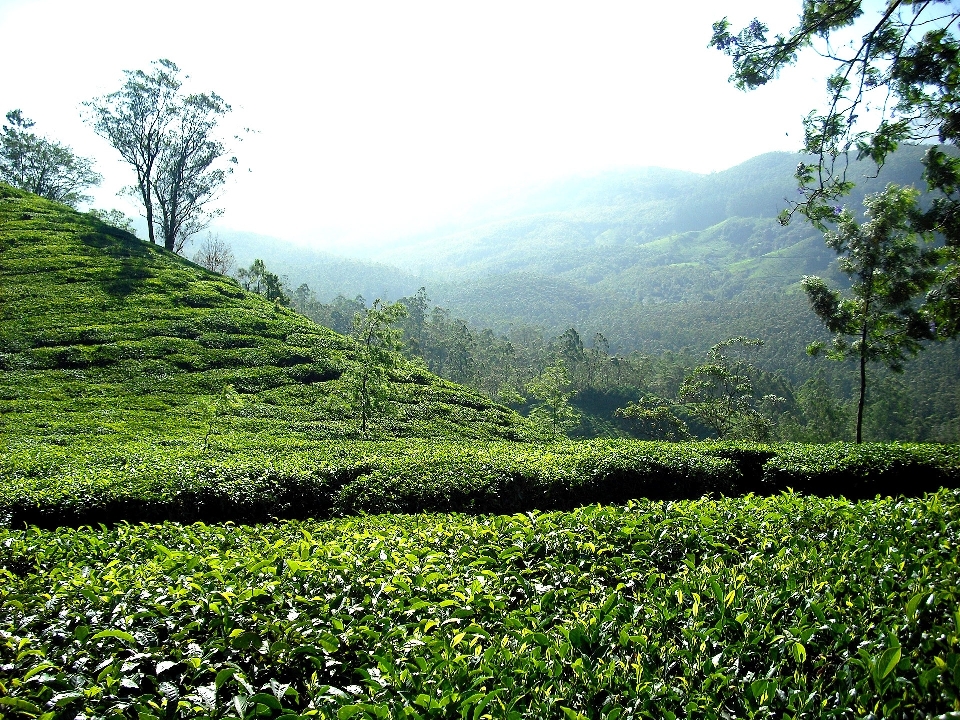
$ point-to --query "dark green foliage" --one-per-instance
(891, 268)
(551, 390)
(720, 394)
(754, 607)
(41, 166)
(653, 418)
(251, 478)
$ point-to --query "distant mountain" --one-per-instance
(327, 274)
(598, 252)
(610, 245)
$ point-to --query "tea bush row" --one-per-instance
(786, 606)
(293, 477)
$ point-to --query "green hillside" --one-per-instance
(108, 337)
(138, 387)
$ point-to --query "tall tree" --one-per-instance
(44, 167)
(899, 82)
(891, 268)
(188, 179)
(552, 389)
(167, 137)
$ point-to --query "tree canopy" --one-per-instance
(44, 167)
(378, 345)
(890, 268)
(168, 137)
(899, 81)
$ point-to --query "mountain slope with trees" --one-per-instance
(600, 251)
(107, 337)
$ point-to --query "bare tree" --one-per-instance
(214, 254)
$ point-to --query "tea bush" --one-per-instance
(786, 606)
(79, 481)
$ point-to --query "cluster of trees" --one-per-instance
(42, 166)
(903, 261)
(166, 135)
(577, 386)
(566, 385)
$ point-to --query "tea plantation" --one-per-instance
(191, 526)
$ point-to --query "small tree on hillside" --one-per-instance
(258, 279)
(115, 218)
(41, 166)
(378, 345)
(720, 393)
(552, 388)
(654, 418)
(891, 267)
(215, 255)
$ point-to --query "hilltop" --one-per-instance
(106, 338)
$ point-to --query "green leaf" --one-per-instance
(21, 705)
(119, 634)
(887, 662)
(799, 652)
(329, 643)
(223, 676)
(348, 711)
(912, 605)
(38, 669)
(266, 699)
(481, 706)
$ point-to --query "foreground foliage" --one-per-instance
(754, 607)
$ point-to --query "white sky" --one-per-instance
(376, 119)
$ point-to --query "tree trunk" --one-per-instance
(863, 394)
(863, 378)
(148, 206)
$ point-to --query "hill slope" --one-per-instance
(105, 336)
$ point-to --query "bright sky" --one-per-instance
(379, 118)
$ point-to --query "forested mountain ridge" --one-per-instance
(577, 222)
(596, 252)
(104, 335)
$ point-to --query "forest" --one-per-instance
(919, 405)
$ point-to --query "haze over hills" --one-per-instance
(599, 253)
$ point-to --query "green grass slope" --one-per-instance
(104, 337)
